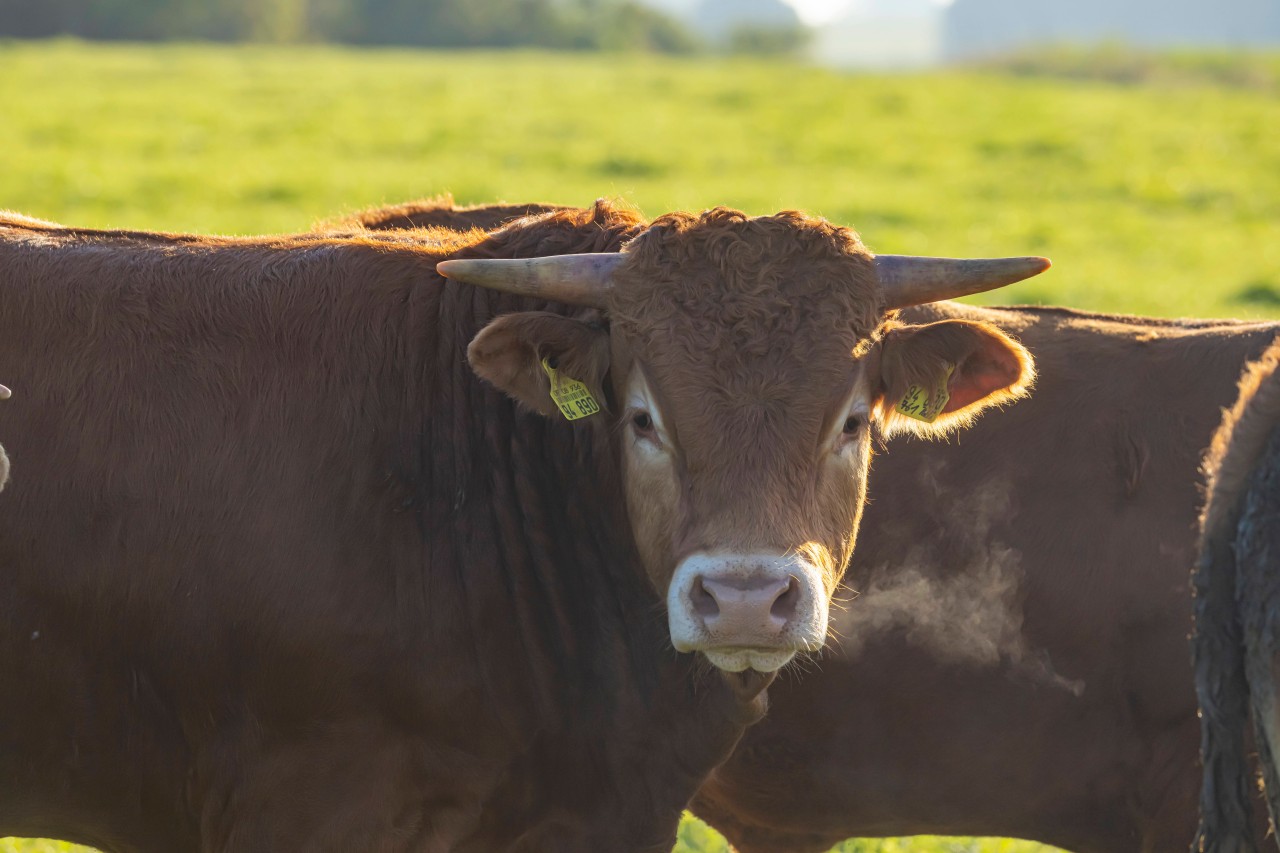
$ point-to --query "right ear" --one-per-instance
(508, 354)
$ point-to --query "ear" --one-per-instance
(971, 365)
(508, 354)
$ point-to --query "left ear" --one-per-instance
(937, 377)
(508, 354)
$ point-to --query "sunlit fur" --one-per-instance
(1238, 443)
(438, 212)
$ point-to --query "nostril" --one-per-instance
(704, 603)
(784, 606)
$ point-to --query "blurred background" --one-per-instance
(842, 33)
(1136, 142)
(1133, 141)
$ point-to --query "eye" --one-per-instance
(853, 424)
(642, 423)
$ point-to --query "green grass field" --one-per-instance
(695, 837)
(1155, 190)
(1161, 198)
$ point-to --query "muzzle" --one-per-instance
(742, 611)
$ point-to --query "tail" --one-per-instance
(1217, 653)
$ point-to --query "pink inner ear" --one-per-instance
(990, 368)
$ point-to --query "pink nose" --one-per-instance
(745, 611)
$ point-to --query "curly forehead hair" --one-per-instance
(768, 276)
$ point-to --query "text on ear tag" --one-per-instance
(570, 395)
(919, 404)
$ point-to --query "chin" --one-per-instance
(738, 660)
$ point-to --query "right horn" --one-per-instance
(908, 280)
(575, 279)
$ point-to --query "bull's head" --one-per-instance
(741, 366)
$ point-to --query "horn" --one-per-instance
(575, 279)
(908, 280)
(5, 393)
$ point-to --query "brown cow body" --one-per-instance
(1237, 637)
(283, 574)
(1075, 510)
(1065, 711)
(239, 612)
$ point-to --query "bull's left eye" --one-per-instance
(852, 424)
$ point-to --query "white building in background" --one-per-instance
(875, 34)
(905, 34)
(882, 34)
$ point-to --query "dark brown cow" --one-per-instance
(1017, 663)
(1237, 638)
(281, 573)
(1026, 673)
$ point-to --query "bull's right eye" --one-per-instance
(642, 423)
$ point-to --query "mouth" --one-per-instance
(733, 659)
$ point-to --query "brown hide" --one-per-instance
(1235, 640)
(281, 573)
(1025, 671)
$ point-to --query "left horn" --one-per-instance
(575, 279)
(907, 280)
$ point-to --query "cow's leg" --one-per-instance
(1266, 728)
(1257, 549)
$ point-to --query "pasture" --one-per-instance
(1155, 194)
(1157, 198)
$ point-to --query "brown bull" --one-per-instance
(1237, 637)
(282, 573)
(1017, 663)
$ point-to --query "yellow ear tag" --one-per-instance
(919, 404)
(570, 395)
